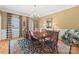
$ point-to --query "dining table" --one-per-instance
(40, 35)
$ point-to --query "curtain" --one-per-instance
(9, 25)
(20, 26)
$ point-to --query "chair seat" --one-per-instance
(34, 38)
(48, 43)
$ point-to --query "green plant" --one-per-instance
(76, 30)
(71, 37)
(66, 35)
(76, 40)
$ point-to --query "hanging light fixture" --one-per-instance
(35, 16)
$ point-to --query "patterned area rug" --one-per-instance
(21, 46)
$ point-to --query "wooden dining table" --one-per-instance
(40, 35)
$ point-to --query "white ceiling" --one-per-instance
(28, 10)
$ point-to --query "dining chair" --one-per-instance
(51, 44)
(36, 44)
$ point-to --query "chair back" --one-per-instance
(52, 43)
(54, 37)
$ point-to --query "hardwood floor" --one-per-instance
(63, 49)
(4, 47)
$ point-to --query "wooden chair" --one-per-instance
(36, 45)
(33, 43)
(51, 47)
(55, 40)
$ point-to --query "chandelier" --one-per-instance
(35, 16)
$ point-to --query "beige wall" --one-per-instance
(0, 19)
(3, 20)
(66, 19)
(0, 25)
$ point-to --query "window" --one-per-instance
(15, 25)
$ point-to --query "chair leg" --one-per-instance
(57, 49)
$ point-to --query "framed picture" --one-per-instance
(49, 23)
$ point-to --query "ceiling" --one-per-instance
(29, 10)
